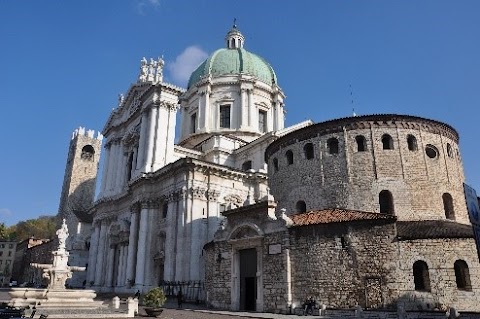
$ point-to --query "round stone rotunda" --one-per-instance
(364, 210)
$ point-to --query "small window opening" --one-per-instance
(193, 123)
(225, 116)
(289, 157)
(462, 275)
(385, 199)
(412, 143)
(421, 277)
(332, 145)
(262, 121)
(301, 206)
(431, 151)
(449, 150)
(448, 206)
(361, 143)
(308, 150)
(387, 142)
(164, 210)
(87, 153)
(247, 165)
(275, 164)
(343, 242)
(130, 166)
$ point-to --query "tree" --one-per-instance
(42, 227)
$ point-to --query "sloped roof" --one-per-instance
(336, 215)
(430, 229)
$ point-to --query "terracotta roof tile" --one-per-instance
(335, 215)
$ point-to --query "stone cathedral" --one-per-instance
(364, 210)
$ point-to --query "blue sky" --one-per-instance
(63, 64)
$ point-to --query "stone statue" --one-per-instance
(143, 70)
(62, 235)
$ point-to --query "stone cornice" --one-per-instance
(377, 121)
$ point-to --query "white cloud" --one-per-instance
(142, 5)
(5, 212)
(185, 64)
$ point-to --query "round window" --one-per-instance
(431, 151)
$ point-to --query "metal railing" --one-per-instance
(192, 291)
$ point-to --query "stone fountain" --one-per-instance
(56, 295)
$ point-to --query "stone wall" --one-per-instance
(353, 179)
(440, 256)
(218, 275)
(336, 262)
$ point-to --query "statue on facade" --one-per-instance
(143, 70)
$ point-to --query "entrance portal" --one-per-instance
(248, 279)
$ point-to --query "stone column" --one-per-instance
(141, 250)
(207, 110)
(118, 280)
(100, 255)
(142, 140)
(124, 268)
(112, 176)
(149, 247)
(92, 256)
(151, 138)
(105, 169)
(170, 238)
(181, 242)
(110, 265)
(132, 248)
(251, 109)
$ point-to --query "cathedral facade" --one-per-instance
(366, 210)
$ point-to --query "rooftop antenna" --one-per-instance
(351, 100)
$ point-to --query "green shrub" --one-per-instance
(155, 298)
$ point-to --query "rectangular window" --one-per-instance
(1, 253)
(225, 116)
(222, 207)
(2, 246)
(10, 253)
(193, 123)
(10, 246)
(262, 121)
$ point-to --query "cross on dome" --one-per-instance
(234, 38)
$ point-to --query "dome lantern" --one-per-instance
(234, 38)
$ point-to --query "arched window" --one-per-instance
(412, 143)
(301, 206)
(421, 278)
(275, 164)
(247, 165)
(361, 143)
(385, 200)
(449, 150)
(332, 145)
(448, 206)
(387, 142)
(87, 153)
(289, 157)
(462, 275)
(308, 150)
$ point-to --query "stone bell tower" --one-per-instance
(78, 194)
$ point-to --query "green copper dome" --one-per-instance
(234, 60)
